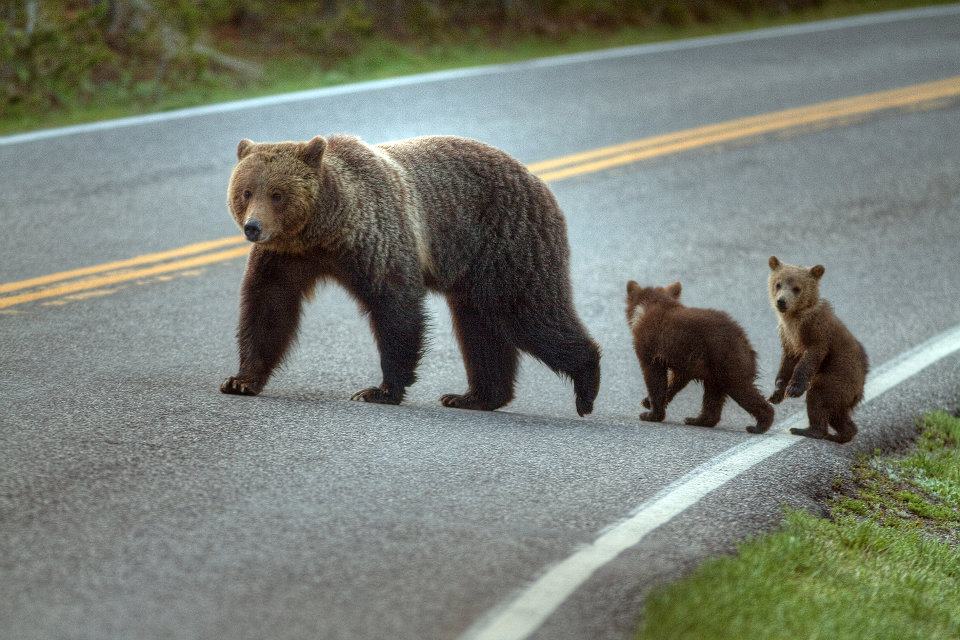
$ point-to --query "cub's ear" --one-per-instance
(774, 263)
(817, 271)
(244, 148)
(674, 289)
(312, 152)
(632, 286)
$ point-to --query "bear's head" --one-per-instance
(640, 298)
(793, 289)
(275, 189)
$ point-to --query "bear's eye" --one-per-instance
(276, 198)
(796, 289)
(246, 194)
(778, 286)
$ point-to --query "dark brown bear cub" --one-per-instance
(820, 356)
(692, 344)
(391, 222)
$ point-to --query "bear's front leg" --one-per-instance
(787, 364)
(270, 301)
(808, 364)
(398, 324)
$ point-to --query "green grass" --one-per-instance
(885, 564)
(382, 58)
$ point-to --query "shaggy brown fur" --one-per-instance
(389, 222)
(692, 344)
(820, 356)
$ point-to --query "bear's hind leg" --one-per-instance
(818, 416)
(398, 323)
(489, 359)
(557, 338)
(845, 427)
(748, 397)
(713, 399)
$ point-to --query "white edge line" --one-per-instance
(527, 609)
(468, 72)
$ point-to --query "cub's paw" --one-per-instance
(808, 433)
(756, 428)
(700, 421)
(470, 401)
(584, 406)
(652, 416)
(646, 402)
(796, 389)
(239, 386)
(776, 397)
(376, 395)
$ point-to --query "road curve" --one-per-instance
(136, 501)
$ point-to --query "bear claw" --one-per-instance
(796, 389)
(468, 401)
(375, 395)
(235, 385)
(651, 416)
(808, 433)
(699, 421)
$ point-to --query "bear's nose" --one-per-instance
(252, 230)
(781, 304)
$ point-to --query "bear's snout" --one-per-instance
(252, 229)
(781, 304)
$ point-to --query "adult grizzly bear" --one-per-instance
(390, 222)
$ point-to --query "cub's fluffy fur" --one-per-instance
(390, 222)
(692, 344)
(820, 355)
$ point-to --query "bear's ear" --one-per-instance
(817, 271)
(632, 286)
(774, 263)
(312, 152)
(674, 289)
(244, 148)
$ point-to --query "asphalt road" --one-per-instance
(137, 501)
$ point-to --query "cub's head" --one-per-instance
(793, 289)
(640, 298)
(274, 189)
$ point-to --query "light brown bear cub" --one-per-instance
(820, 355)
(692, 344)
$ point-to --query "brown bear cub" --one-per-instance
(391, 222)
(676, 344)
(820, 355)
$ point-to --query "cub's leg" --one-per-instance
(655, 377)
(675, 384)
(788, 363)
(398, 324)
(843, 425)
(817, 414)
(271, 298)
(713, 399)
(748, 397)
(490, 360)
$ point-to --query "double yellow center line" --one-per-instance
(832, 113)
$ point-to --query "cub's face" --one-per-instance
(639, 298)
(792, 288)
(274, 189)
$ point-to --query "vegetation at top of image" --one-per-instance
(884, 564)
(63, 61)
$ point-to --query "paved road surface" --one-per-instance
(137, 501)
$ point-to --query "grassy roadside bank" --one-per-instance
(884, 564)
(379, 57)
